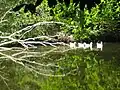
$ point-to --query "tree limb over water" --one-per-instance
(23, 54)
(29, 29)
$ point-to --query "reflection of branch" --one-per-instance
(31, 68)
(11, 58)
(3, 21)
(40, 64)
(4, 80)
(23, 56)
(38, 54)
(5, 49)
(9, 42)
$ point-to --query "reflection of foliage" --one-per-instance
(61, 68)
(88, 74)
(29, 83)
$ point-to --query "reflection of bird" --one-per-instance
(88, 45)
(73, 45)
(100, 45)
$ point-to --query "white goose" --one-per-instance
(100, 45)
(80, 45)
(73, 45)
(88, 45)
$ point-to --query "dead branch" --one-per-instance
(23, 55)
(1, 20)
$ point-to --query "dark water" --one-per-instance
(110, 50)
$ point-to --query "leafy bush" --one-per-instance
(90, 25)
(86, 26)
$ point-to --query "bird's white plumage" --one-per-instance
(80, 45)
(73, 45)
(100, 45)
(88, 45)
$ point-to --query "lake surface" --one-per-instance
(16, 74)
(110, 50)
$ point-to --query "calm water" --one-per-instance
(10, 70)
(110, 50)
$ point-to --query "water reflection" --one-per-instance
(15, 72)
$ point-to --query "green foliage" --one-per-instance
(90, 25)
(103, 17)
(19, 20)
(101, 21)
